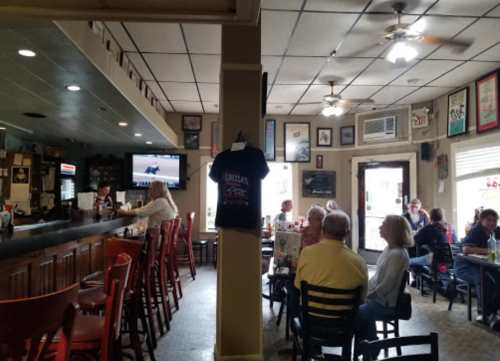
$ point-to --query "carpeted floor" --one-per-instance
(192, 336)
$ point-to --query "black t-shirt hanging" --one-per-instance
(239, 175)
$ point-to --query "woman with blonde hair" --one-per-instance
(384, 285)
(161, 207)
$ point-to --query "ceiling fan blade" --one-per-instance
(358, 101)
(369, 48)
(443, 41)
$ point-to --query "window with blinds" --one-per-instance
(477, 160)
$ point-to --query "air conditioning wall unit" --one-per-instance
(379, 129)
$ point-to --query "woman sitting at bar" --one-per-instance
(476, 242)
(102, 195)
(313, 232)
(161, 208)
(384, 285)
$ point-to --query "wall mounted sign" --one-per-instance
(487, 102)
(324, 137)
(458, 112)
(297, 142)
(419, 119)
(319, 184)
(270, 140)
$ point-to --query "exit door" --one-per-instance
(383, 189)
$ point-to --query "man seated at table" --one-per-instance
(329, 263)
(313, 231)
(418, 218)
(476, 242)
(286, 206)
(438, 230)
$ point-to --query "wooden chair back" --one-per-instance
(166, 237)
(190, 220)
(35, 318)
(135, 249)
(367, 348)
(175, 236)
(115, 281)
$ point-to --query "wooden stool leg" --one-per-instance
(146, 330)
(135, 340)
(156, 304)
(167, 311)
(171, 279)
(149, 307)
(177, 277)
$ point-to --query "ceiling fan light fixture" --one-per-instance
(401, 50)
(332, 110)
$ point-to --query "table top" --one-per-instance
(479, 259)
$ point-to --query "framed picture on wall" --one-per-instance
(191, 123)
(270, 140)
(458, 112)
(215, 139)
(191, 140)
(347, 135)
(487, 102)
(297, 142)
(324, 137)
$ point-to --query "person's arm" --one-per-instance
(421, 236)
(392, 275)
(123, 212)
(472, 242)
(454, 237)
(474, 250)
(427, 218)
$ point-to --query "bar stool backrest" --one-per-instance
(166, 237)
(34, 318)
(190, 220)
(135, 249)
(175, 236)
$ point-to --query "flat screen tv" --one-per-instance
(170, 169)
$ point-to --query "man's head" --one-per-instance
(286, 205)
(332, 205)
(414, 206)
(337, 226)
(315, 216)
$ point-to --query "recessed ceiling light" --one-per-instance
(2, 128)
(25, 52)
(146, 142)
(34, 115)
(123, 124)
(73, 88)
(138, 134)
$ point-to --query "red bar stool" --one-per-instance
(161, 268)
(36, 318)
(173, 267)
(187, 238)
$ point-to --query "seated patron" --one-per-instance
(331, 205)
(286, 206)
(384, 285)
(438, 230)
(161, 208)
(313, 231)
(476, 242)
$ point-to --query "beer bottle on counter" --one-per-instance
(139, 202)
(492, 251)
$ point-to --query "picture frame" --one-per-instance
(270, 140)
(319, 184)
(487, 102)
(20, 175)
(215, 139)
(324, 137)
(191, 123)
(458, 112)
(347, 135)
(191, 140)
(319, 161)
(297, 142)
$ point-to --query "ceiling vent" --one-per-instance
(378, 129)
(34, 115)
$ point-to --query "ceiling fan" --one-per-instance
(332, 102)
(403, 35)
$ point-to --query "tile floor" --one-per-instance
(192, 337)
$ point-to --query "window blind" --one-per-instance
(477, 160)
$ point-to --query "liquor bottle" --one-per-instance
(492, 248)
(139, 202)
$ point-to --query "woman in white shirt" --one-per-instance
(161, 208)
(384, 285)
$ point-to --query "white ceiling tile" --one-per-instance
(203, 38)
(482, 35)
(391, 94)
(299, 70)
(286, 93)
(359, 92)
(342, 70)
(180, 91)
(441, 26)
(307, 109)
(465, 73)
(382, 72)
(140, 65)
(320, 33)
(211, 107)
(413, 7)
(170, 67)
(339, 5)
(495, 12)
(282, 4)
(270, 65)
(187, 107)
(167, 106)
(492, 54)
(120, 35)
(367, 108)
(425, 72)
(364, 40)
(276, 30)
(207, 68)
(424, 94)
(209, 92)
(463, 7)
(278, 109)
(155, 88)
(316, 93)
(157, 37)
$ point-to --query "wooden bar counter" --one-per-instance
(40, 259)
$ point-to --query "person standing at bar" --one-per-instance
(102, 195)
